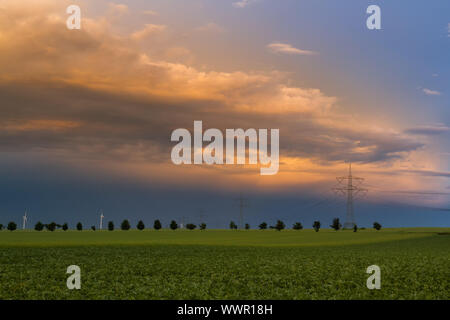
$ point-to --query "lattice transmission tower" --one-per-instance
(242, 203)
(201, 215)
(351, 190)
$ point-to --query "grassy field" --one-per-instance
(224, 264)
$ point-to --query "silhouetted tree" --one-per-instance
(93, 228)
(191, 226)
(263, 226)
(125, 225)
(377, 226)
(39, 226)
(233, 225)
(202, 226)
(1, 227)
(79, 226)
(247, 226)
(111, 226)
(140, 225)
(51, 226)
(280, 225)
(173, 225)
(157, 225)
(355, 228)
(297, 226)
(12, 226)
(336, 225)
(316, 226)
(65, 226)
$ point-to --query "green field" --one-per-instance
(225, 264)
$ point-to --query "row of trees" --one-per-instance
(11, 226)
(125, 225)
(336, 225)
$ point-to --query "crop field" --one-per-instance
(226, 264)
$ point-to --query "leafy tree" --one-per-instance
(355, 228)
(65, 226)
(125, 225)
(336, 225)
(51, 226)
(173, 225)
(12, 226)
(93, 228)
(39, 226)
(247, 226)
(280, 225)
(79, 226)
(1, 227)
(157, 225)
(297, 226)
(377, 226)
(140, 225)
(263, 226)
(316, 225)
(233, 225)
(202, 226)
(111, 226)
(191, 226)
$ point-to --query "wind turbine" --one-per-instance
(101, 219)
(24, 220)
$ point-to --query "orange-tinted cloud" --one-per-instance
(107, 102)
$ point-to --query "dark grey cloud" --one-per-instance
(428, 173)
(428, 130)
(110, 122)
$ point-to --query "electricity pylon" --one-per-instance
(201, 215)
(242, 205)
(350, 190)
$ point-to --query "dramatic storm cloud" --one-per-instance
(102, 102)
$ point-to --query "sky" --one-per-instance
(87, 115)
